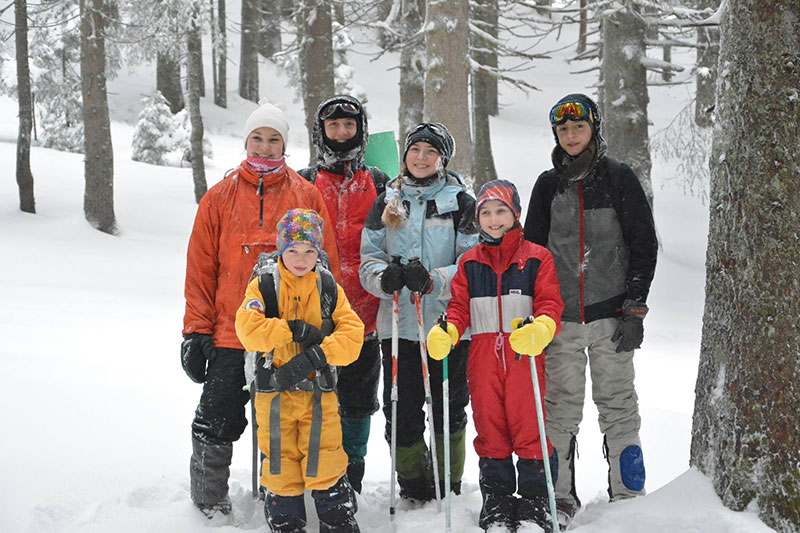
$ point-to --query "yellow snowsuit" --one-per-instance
(299, 300)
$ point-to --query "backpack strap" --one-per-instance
(328, 298)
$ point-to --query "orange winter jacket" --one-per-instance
(236, 220)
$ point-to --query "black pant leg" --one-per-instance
(410, 393)
(358, 382)
(220, 415)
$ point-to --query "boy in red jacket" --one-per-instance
(498, 282)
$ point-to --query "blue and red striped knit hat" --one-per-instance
(502, 191)
(300, 226)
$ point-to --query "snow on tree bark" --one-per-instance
(746, 436)
(98, 198)
(446, 78)
(707, 56)
(316, 60)
(220, 52)
(248, 53)
(484, 92)
(624, 96)
(194, 68)
(412, 68)
(27, 202)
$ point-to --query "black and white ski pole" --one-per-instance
(395, 348)
(537, 396)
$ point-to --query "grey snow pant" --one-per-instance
(614, 395)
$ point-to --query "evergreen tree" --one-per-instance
(153, 136)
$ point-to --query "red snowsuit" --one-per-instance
(493, 285)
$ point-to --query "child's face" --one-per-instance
(265, 143)
(496, 218)
(340, 129)
(422, 160)
(574, 136)
(300, 259)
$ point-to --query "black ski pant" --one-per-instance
(220, 415)
(411, 410)
(358, 382)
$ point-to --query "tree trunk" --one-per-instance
(168, 81)
(27, 201)
(220, 66)
(248, 62)
(707, 56)
(269, 40)
(745, 435)
(98, 198)
(446, 79)
(583, 27)
(316, 60)
(625, 98)
(667, 57)
(412, 69)
(194, 67)
(197, 37)
(484, 15)
(483, 168)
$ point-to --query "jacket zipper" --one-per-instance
(260, 192)
(500, 339)
(582, 251)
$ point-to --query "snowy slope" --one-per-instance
(97, 411)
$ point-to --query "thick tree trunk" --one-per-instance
(412, 69)
(484, 15)
(269, 41)
(27, 202)
(583, 27)
(220, 64)
(447, 76)
(316, 60)
(168, 81)
(746, 436)
(625, 98)
(197, 44)
(707, 56)
(98, 198)
(248, 58)
(194, 67)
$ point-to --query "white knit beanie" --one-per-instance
(267, 116)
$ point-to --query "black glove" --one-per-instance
(416, 277)
(392, 278)
(304, 333)
(630, 331)
(298, 368)
(196, 350)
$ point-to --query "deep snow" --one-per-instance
(97, 411)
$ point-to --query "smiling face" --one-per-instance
(340, 129)
(300, 259)
(264, 143)
(495, 218)
(574, 136)
(422, 160)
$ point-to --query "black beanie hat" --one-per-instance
(435, 134)
(594, 121)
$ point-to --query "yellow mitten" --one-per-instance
(440, 342)
(532, 338)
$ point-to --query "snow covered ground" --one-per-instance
(97, 411)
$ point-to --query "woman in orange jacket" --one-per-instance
(299, 430)
(235, 222)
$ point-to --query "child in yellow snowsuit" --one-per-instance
(299, 430)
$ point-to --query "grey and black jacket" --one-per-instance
(601, 233)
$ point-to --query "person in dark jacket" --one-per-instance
(425, 217)
(592, 214)
(349, 188)
(500, 281)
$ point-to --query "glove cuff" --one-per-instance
(631, 308)
(317, 357)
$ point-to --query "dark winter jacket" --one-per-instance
(348, 203)
(601, 233)
(494, 285)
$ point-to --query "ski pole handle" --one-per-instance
(528, 320)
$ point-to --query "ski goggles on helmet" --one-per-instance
(574, 110)
(342, 108)
(437, 128)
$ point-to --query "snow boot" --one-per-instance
(497, 485)
(458, 453)
(626, 473)
(533, 505)
(414, 472)
(285, 514)
(209, 469)
(336, 508)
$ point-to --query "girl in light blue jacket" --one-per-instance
(412, 240)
